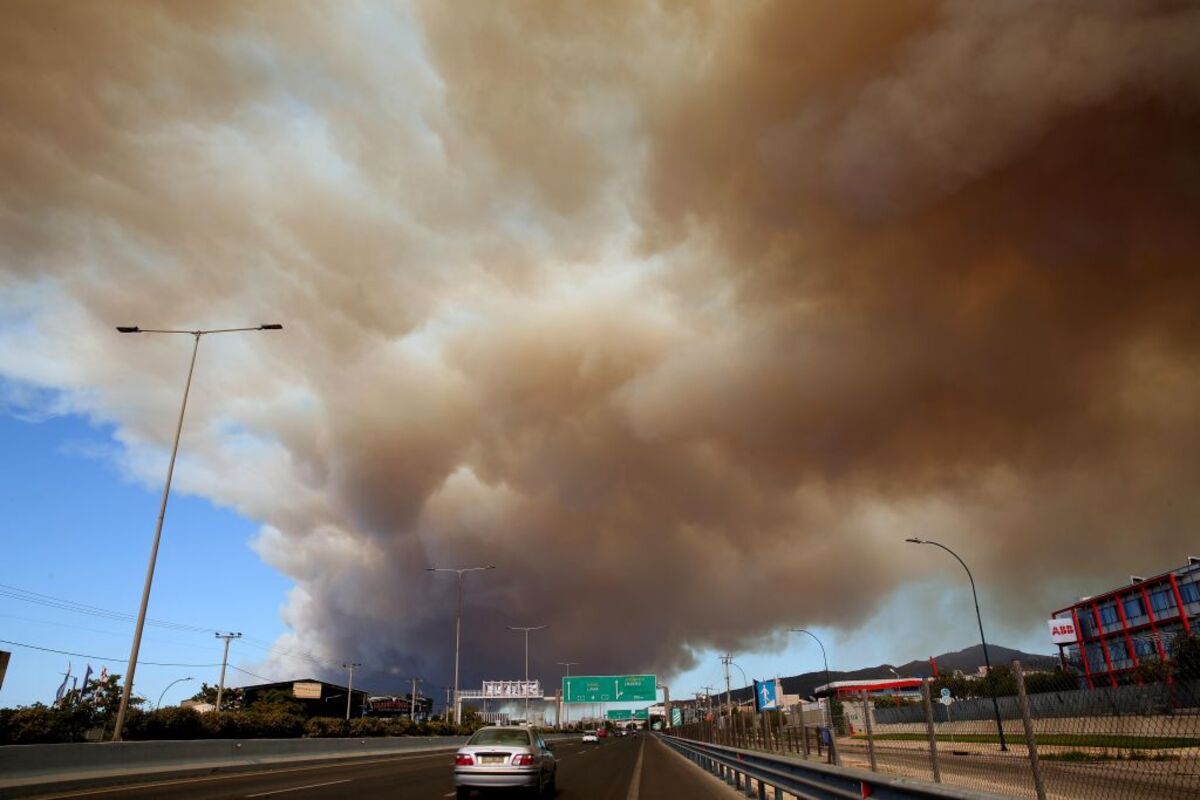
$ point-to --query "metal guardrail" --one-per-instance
(757, 774)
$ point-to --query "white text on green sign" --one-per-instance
(609, 688)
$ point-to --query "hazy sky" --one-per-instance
(684, 315)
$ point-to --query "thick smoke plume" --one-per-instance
(683, 315)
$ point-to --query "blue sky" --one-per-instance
(75, 528)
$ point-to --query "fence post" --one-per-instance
(866, 705)
(834, 758)
(1031, 740)
(933, 753)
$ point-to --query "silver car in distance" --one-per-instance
(505, 758)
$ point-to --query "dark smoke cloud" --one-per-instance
(683, 315)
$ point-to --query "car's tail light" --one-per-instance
(522, 760)
(463, 760)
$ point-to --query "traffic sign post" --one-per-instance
(609, 688)
(766, 696)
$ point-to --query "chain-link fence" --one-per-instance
(1138, 741)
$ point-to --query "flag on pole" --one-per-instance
(87, 676)
(62, 687)
(103, 677)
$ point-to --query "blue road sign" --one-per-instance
(765, 696)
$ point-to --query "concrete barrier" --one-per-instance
(64, 766)
(81, 764)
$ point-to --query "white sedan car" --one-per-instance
(590, 736)
(505, 758)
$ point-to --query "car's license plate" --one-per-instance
(491, 759)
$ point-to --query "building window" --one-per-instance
(1087, 625)
(1161, 600)
(1145, 647)
(1190, 592)
(1108, 614)
(1117, 652)
(1134, 607)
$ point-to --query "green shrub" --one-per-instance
(325, 727)
(369, 726)
(167, 723)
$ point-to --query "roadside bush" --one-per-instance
(324, 727)
(369, 726)
(167, 723)
(401, 726)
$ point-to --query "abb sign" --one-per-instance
(1062, 631)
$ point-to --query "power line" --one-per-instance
(99, 658)
(28, 596)
(251, 674)
(61, 603)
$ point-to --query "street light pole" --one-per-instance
(527, 630)
(829, 703)
(127, 689)
(350, 687)
(460, 571)
(562, 699)
(983, 640)
(169, 685)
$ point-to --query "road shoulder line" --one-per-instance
(635, 783)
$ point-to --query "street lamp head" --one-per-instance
(271, 326)
(128, 329)
(915, 540)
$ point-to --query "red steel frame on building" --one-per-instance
(1118, 596)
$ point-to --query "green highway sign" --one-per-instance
(626, 714)
(609, 688)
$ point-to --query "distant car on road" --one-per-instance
(602, 732)
(508, 757)
(590, 736)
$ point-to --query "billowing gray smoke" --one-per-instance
(681, 314)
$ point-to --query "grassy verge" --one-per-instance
(1053, 739)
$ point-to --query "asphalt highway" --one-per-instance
(630, 768)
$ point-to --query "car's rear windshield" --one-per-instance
(500, 736)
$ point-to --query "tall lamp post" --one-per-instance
(127, 689)
(460, 571)
(527, 630)
(169, 685)
(983, 640)
(562, 700)
(833, 753)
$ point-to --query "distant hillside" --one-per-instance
(968, 660)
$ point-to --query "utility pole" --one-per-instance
(224, 660)
(727, 659)
(350, 687)
(448, 690)
(412, 700)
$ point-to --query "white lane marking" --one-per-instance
(297, 788)
(234, 775)
(635, 785)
